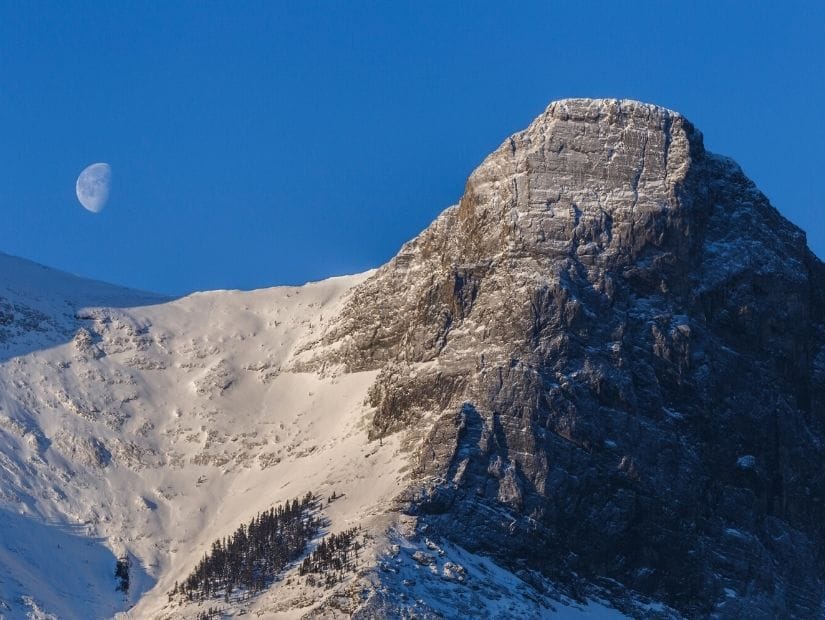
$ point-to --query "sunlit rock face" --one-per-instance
(610, 356)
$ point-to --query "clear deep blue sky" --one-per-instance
(268, 143)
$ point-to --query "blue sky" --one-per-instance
(266, 143)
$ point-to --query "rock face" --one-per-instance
(614, 350)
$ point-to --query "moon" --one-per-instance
(93, 186)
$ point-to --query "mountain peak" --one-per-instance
(614, 117)
(599, 376)
(584, 157)
(617, 120)
(594, 108)
(584, 334)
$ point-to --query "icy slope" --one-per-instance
(156, 429)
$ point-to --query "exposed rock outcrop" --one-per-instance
(623, 344)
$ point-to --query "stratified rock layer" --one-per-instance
(623, 346)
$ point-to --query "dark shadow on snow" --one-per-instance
(65, 571)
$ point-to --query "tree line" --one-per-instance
(249, 560)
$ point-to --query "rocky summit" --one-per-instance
(613, 352)
(595, 387)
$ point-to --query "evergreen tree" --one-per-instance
(335, 555)
(250, 558)
(122, 573)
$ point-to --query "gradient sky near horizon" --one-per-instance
(264, 143)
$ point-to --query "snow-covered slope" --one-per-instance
(155, 429)
(141, 427)
(39, 305)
